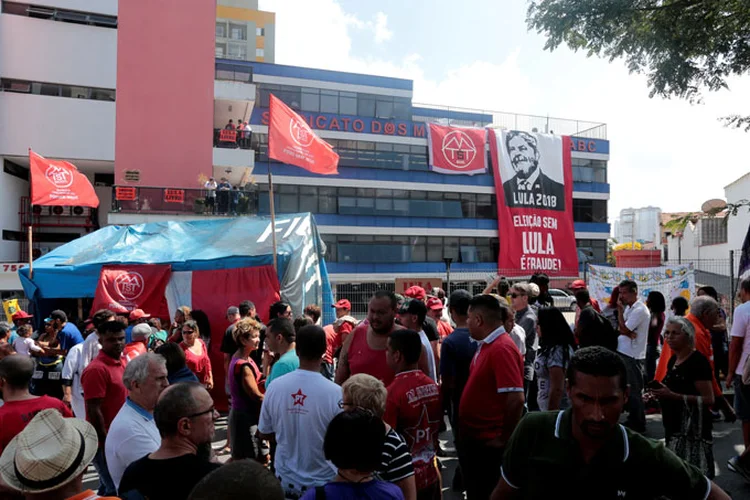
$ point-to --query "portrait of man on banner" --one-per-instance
(532, 171)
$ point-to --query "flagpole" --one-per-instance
(31, 255)
(273, 218)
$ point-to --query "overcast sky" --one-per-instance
(478, 54)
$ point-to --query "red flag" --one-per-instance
(136, 286)
(456, 150)
(291, 141)
(57, 182)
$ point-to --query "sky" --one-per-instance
(478, 54)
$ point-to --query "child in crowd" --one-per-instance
(24, 344)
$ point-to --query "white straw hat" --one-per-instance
(50, 452)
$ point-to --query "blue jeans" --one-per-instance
(106, 485)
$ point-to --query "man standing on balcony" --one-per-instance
(224, 189)
(211, 194)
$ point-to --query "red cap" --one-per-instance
(343, 304)
(415, 292)
(435, 304)
(578, 285)
(138, 314)
(21, 315)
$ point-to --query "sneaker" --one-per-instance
(734, 465)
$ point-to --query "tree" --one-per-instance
(684, 46)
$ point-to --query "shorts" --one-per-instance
(741, 399)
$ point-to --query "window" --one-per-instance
(384, 109)
(347, 103)
(56, 90)
(365, 105)
(237, 51)
(221, 49)
(713, 231)
(237, 32)
(221, 30)
(62, 15)
(260, 31)
(329, 101)
(260, 53)
(589, 210)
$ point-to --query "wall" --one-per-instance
(57, 52)
(11, 190)
(57, 127)
(165, 101)
(738, 224)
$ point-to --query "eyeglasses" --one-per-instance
(194, 415)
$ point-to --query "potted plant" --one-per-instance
(199, 205)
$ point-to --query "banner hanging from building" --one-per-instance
(671, 281)
(292, 141)
(138, 286)
(456, 150)
(56, 182)
(534, 186)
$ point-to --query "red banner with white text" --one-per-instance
(138, 286)
(534, 189)
(292, 141)
(456, 150)
(57, 182)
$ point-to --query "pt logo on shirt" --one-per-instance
(299, 398)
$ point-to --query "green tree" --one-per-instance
(683, 46)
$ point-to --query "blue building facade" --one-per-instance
(386, 215)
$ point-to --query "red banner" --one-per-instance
(174, 195)
(59, 183)
(228, 135)
(456, 150)
(125, 193)
(534, 186)
(137, 286)
(292, 141)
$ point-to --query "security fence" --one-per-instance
(720, 273)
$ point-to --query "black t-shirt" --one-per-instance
(430, 329)
(681, 379)
(170, 479)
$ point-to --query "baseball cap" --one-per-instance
(21, 315)
(137, 314)
(434, 303)
(578, 285)
(413, 306)
(415, 292)
(343, 304)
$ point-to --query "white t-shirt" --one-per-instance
(637, 319)
(72, 370)
(91, 347)
(132, 436)
(740, 329)
(25, 346)
(298, 409)
(430, 355)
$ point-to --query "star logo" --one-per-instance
(299, 398)
(422, 433)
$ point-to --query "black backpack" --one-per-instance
(597, 331)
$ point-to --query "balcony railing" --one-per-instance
(135, 199)
(232, 139)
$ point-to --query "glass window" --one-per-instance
(237, 32)
(434, 249)
(418, 195)
(48, 89)
(365, 146)
(221, 30)
(365, 105)
(383, 146)
(327, 200)
(329, 102)
(260, 53)
(435, 195)
(345, 191)
(103, 95)
(370, 193)
(347, 105)
(220, 50)
(384, 205)
(384, 109)
(308, 199)
(310, 101)
(260, 31)
(237, 51)
(419, 249)
(384, 193)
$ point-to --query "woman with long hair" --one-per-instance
(657, 306)
(196, 353)
(556, 347)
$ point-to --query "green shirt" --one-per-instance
(287, 363)
(543, 460)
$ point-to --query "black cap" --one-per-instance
(413, 306)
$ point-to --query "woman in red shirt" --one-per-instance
(196, 354)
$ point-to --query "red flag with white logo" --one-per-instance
(137, 286)
(457, 150)
(292, 141)
(57, 182)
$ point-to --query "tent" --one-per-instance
(213, 264)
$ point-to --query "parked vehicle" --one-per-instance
(562, 299)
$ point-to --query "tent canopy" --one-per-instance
(72, 270)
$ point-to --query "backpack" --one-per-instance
(597, 332)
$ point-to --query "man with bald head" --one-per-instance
(21, 406)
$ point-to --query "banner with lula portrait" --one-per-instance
(534, 188)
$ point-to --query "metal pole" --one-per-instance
(31, 254)
(731, 284)
(448, 276)
(273, 218)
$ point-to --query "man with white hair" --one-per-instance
(139, 335)
(133, 433)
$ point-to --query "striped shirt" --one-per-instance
(396, 460)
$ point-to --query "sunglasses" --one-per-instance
(194, 415)
(188, 331)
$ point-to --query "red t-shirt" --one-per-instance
(102, 379)
(364, 359)
(415, 410)
(199, 365)
(444, 329)
(330, 342)
(497, 368)
(132, 351)
(16, 415)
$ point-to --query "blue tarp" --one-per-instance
(72, 270)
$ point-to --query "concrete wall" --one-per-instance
(57, 52)
(270, 48)
(11, 190)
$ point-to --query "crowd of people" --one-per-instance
(354, 409)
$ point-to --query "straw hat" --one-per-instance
(50, 452)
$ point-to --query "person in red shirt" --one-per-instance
(414, 408)
(435, 311)
(364, 349)
(492, 402)
(140, 335)
(104, 393)
(20, 406)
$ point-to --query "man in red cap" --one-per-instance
(136, 317)
(415, 292)
(19, 318)
(336, 334)
(578, 286)
(435, 311)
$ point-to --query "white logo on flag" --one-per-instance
(129, 285)
(61, 177)
(458, 149)
(301, 133)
